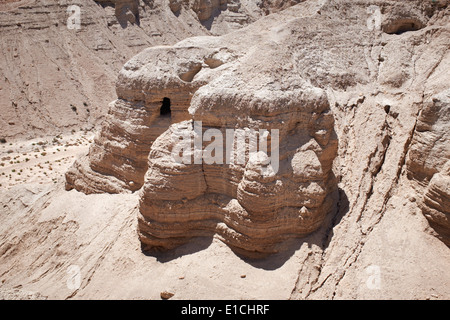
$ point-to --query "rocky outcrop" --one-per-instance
(252, 210)
(429, 150)
(49, 70)
(205, 8)
(207, 82)
(212, 80)
(436, 203)
(117, 161)
(51, 67)
(379, 81)
(209, 9)
(429, 161)
(175, 5)
(269, 6)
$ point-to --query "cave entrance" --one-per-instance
(403, 25)
(165, 107)
(406, 27)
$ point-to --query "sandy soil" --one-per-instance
(97, 233)
(40, 160)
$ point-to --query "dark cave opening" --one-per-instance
(406, 27)
(165, 107)
(401, 26)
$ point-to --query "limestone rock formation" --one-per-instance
(436, 203)
(118, 158)
(49, 64)
(212, 80)
(210, 9)
(430, 150)
(429, 161)
(205, 8)
(251, 210)
(134, 147)
(269, 6)
(175, 5)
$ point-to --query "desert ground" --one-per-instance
(47, 230)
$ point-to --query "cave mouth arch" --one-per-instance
(165, 107)
(401, 26)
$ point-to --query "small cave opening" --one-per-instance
(406, 27)
(165, 107)
(403, 25)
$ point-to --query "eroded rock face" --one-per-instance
(429, 162)
(43, 49)
(287, 74)
(436, 203)
(117, 160)
(207, 9)
(250, 209)
(175, 5)
(210, 83)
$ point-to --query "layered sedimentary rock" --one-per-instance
(429, 162)
(436, 203)
(251, 205)
(58, 76)
(287, 75)
(58, 57)
(205, 8)
(117, 160)
(254, 205)
(385, 89)
(210, 9)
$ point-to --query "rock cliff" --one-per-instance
(289, 75)
(58, 76)
(429, 161)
